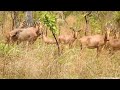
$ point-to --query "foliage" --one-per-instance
(49, 19)
(95, 25)
(117, 18)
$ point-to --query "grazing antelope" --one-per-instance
(94, 41)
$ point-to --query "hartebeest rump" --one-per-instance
(29, 34)
(11, 36)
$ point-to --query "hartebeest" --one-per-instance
(11, 36)
(29, 34)
(48, 40)
(113, 44)
(94, 41)
(68, 39)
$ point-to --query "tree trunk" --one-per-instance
(13, 19)
(16, 21)
(46, 32)
(14, 16)
(87, 30)
(56, 42)
(29, 18)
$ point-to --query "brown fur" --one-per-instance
(48, 40)
(67, 39)
(11, 36)
(25, 34)
(113, 44)
(93, 41)
(29, 34)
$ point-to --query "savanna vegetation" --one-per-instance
(59, 44)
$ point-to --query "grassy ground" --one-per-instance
(41, 61)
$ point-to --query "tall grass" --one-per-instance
(40, 61)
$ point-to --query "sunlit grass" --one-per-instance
(41, 61)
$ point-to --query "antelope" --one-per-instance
(68, 39)
(48, 40)
(113, 44)
(29, 34)
(10, 36)
(94, 41)
(113, 41)
(24, 34)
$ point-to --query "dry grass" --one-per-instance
(71, 20)
(40, 61)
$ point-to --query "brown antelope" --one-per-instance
(29, 34)
(94, 41)
(113, 44)
(68, 39)
(10, 36)
(48, 40)
(24, 34)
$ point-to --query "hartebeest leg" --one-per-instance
(98, 51)
(81, 46)
(99, 48)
